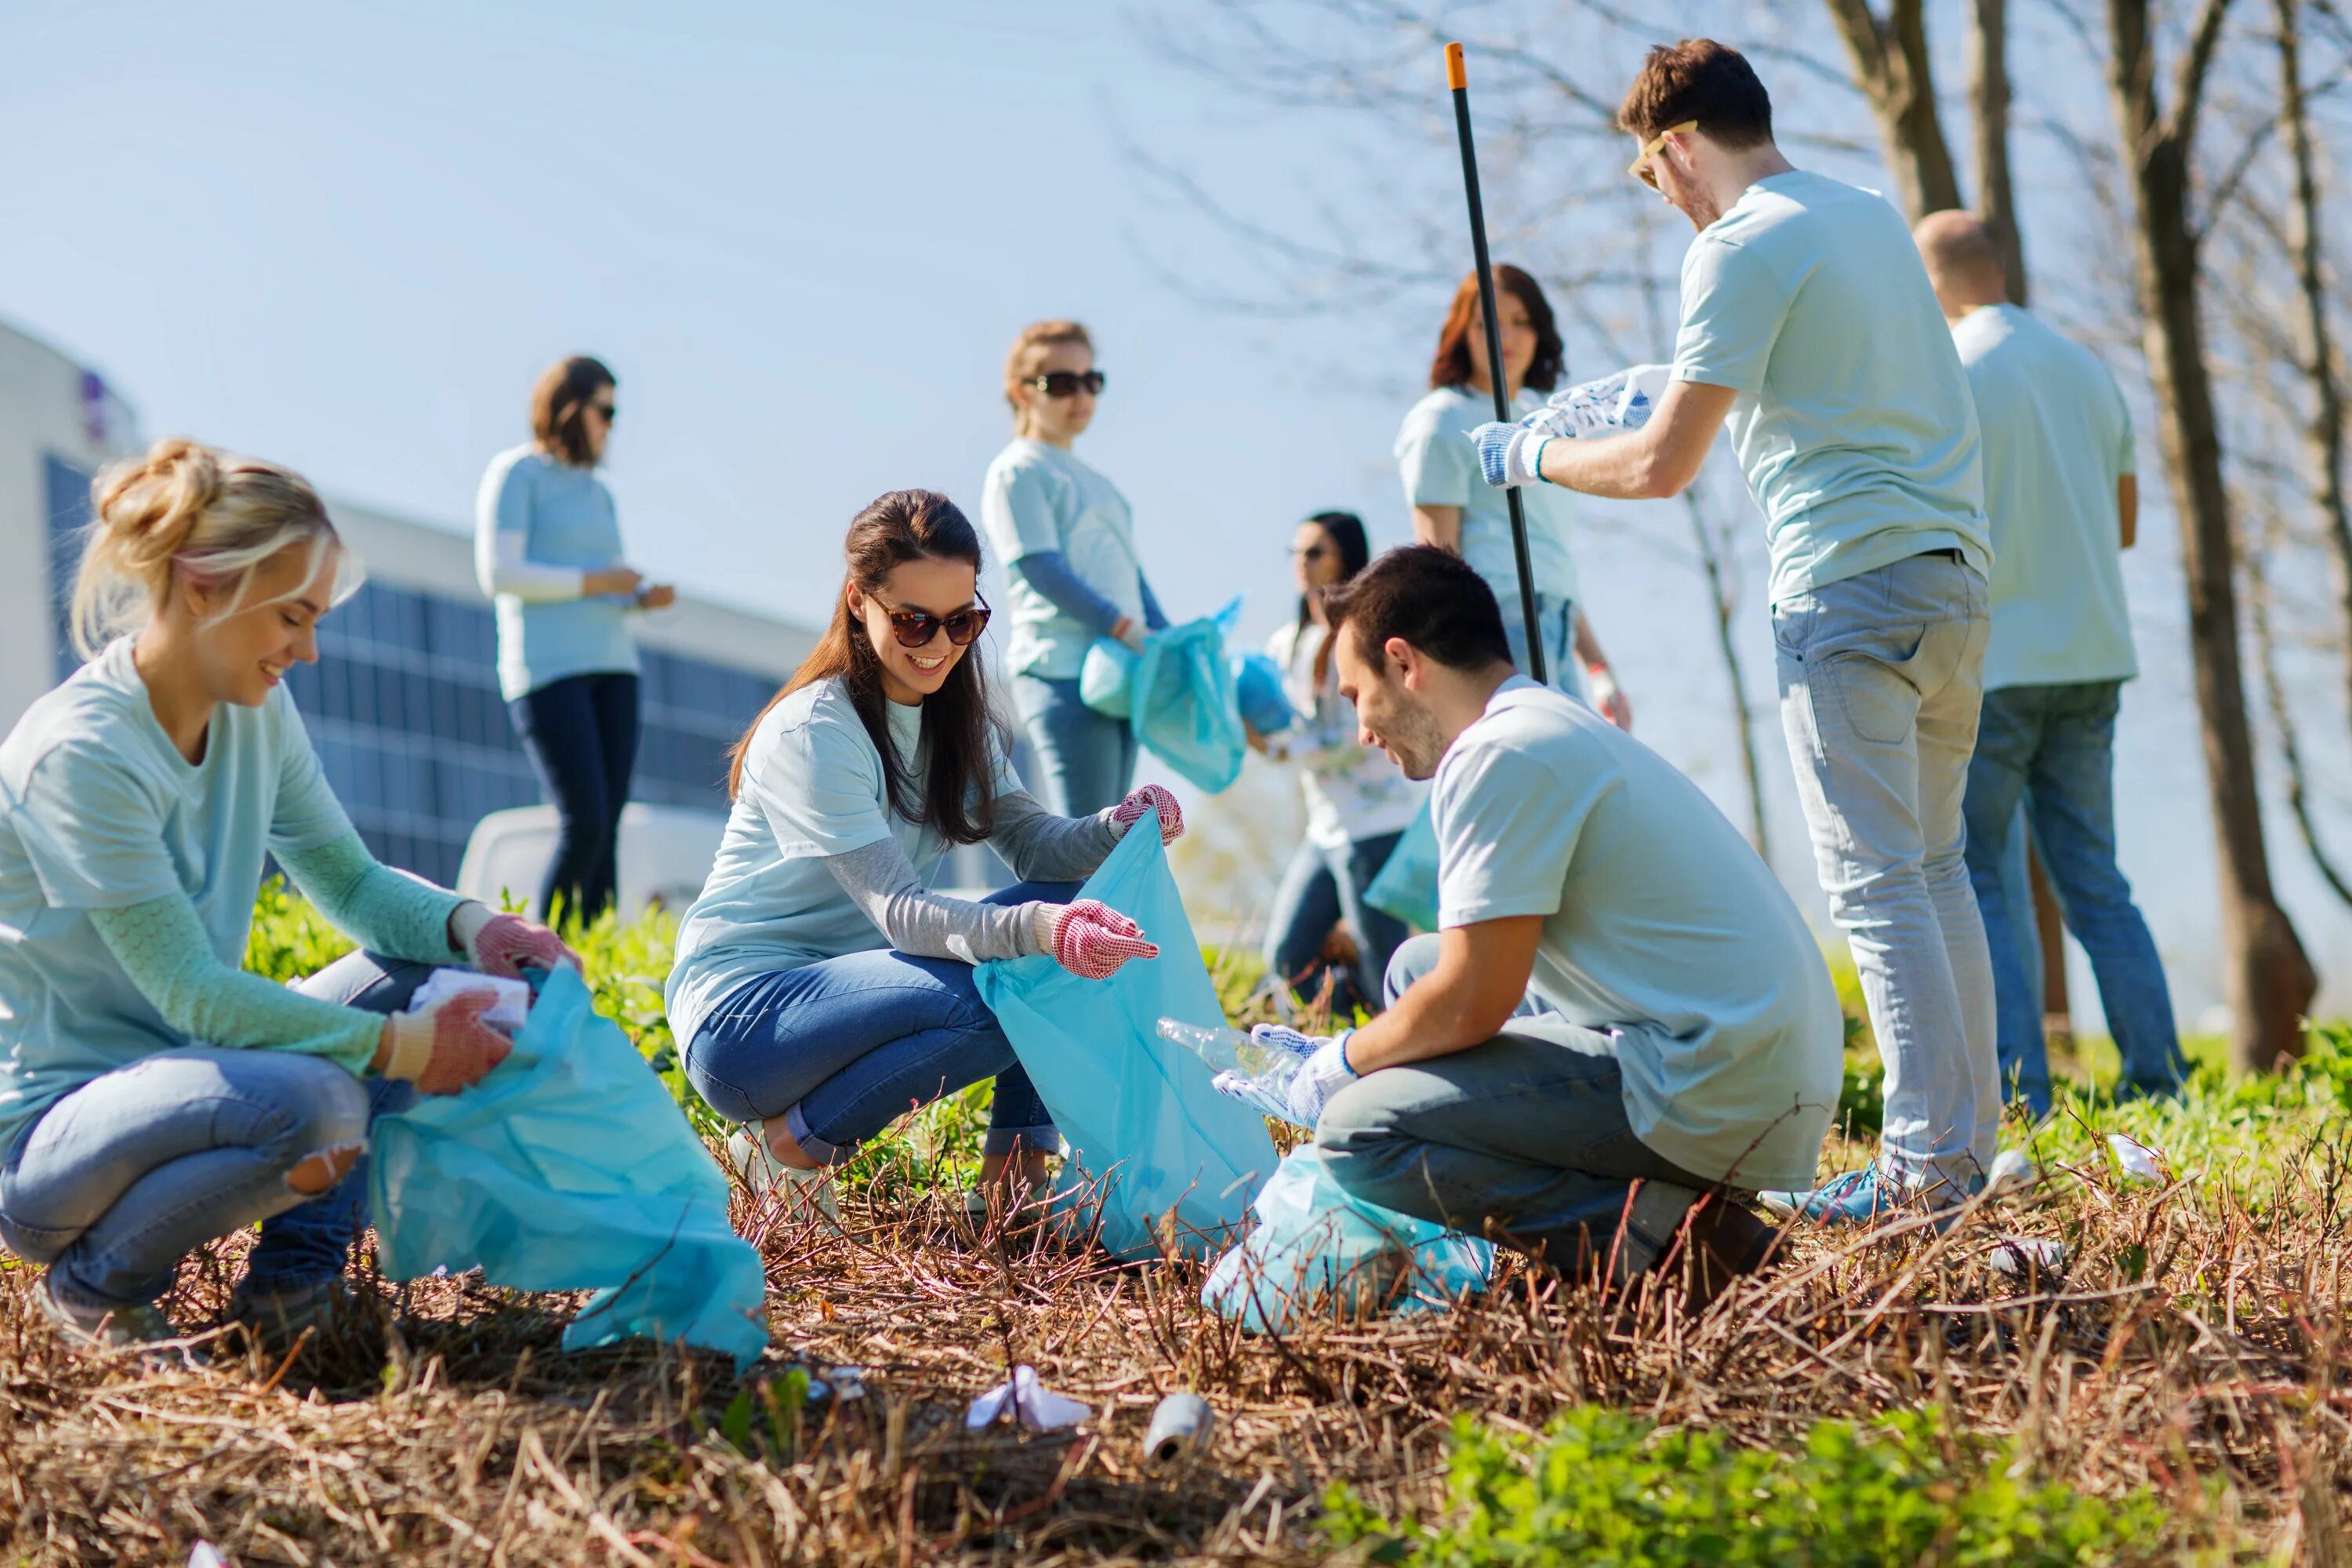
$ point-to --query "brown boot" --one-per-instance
(1720, 1241)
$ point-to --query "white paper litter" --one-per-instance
(2013, 1170)
(2014, 1255)
(1039, 1408)
(2140, 1163)
(206, 1556)
(507, 1013)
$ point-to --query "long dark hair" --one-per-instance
(1450, 366)
(559, 402)
(958, 798)
(1346, 532)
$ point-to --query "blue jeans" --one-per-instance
(1525, 1133)
(2052, 749)
(1880, 679)
(1086, 759)
(131, 1173)
(843, 1047)
(1556, 623)
(1320, 889)
(581, 735)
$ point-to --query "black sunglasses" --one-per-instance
(1312, 551)
(915, 629)
(607, 410)
(1068, 383)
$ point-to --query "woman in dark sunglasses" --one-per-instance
(1067, 541)
(821, 989)
(547, 548)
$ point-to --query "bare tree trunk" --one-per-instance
(1890, 60)
(1989, 118)
(1725, 604)
(2269, 980)
(2298, 782)
(2324, 436)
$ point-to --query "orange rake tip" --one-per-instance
(1458, 75)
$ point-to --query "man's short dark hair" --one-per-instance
(1699, 80)
(1429, 596)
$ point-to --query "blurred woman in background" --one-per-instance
(1357, 802)
(1067, 541)
(547, 549)
(1454, 507)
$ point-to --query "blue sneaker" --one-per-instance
(1860, 1197)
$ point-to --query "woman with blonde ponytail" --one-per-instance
(153, 1096)
(1067, 541)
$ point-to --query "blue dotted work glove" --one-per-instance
(1508, 454)
(1322, 1073)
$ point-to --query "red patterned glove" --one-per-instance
(445, 1048)
(504, 945)
(1090, 939)
(1150, 797)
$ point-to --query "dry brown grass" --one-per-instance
(2192, 1346)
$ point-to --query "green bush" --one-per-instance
(1605, 1488)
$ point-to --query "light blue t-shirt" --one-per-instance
(567, 518)
(2057, 437)
(1439, 467)
(100, 811)
(1853, 421)
(812, 786)
(1661, 929)
(1038, 497)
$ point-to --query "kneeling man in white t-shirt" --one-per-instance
(1623, 1023)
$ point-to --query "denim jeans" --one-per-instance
(1086, 759)
(128, 1174)
(2052, 749)
(1880, 681)
(1321, 888)
(1556, 623)
(843, 1047)
(1524, 1137)
(581, 735)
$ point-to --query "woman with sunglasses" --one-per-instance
(1454, 507)
(821, 990)
(1357, 802)
(1067, 541)
(547, 549)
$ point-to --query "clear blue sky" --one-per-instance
(347, 235)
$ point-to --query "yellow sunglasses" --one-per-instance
(1639, 169)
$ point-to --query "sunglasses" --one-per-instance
(1312, 551)
(607, 410)
(915, 629)
(1068, 383)
(1640, 168)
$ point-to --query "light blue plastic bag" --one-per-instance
(1185, 709)
(1407, 885)
(1316, 1244)
(1107, 679)
(1257, 691)
(569, 1168)
(1137, 1110)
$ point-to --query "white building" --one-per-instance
(404, 703)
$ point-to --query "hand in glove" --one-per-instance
(1323, 1073)
(1089, 939)
(1508, 455)
(504, 945)
(444, 1048)
(1150, 797)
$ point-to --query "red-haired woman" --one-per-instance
(1454, 507)
(821, 990)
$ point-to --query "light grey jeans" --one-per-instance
(1524, 1139)
(1881, 676)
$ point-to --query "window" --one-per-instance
(66, 499)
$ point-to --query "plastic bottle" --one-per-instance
(1230, 1050)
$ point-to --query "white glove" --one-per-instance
(1509, 455)
(1323, 1074)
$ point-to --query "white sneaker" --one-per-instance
(805, 1191)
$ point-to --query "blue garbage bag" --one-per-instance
(1257, 689)
(1407, 885)
(1107, 679)
(1141, 1121)
(569, 1168)
(1184, 707)
(1316, 1244)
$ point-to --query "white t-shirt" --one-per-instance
(1352, 792)
(1439, 467)
(812, 786)
(1661, 929)
(1039, 497)
(2057, 437)
(100, 811)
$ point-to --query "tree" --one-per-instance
(2267, 977)
(1891, 62)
